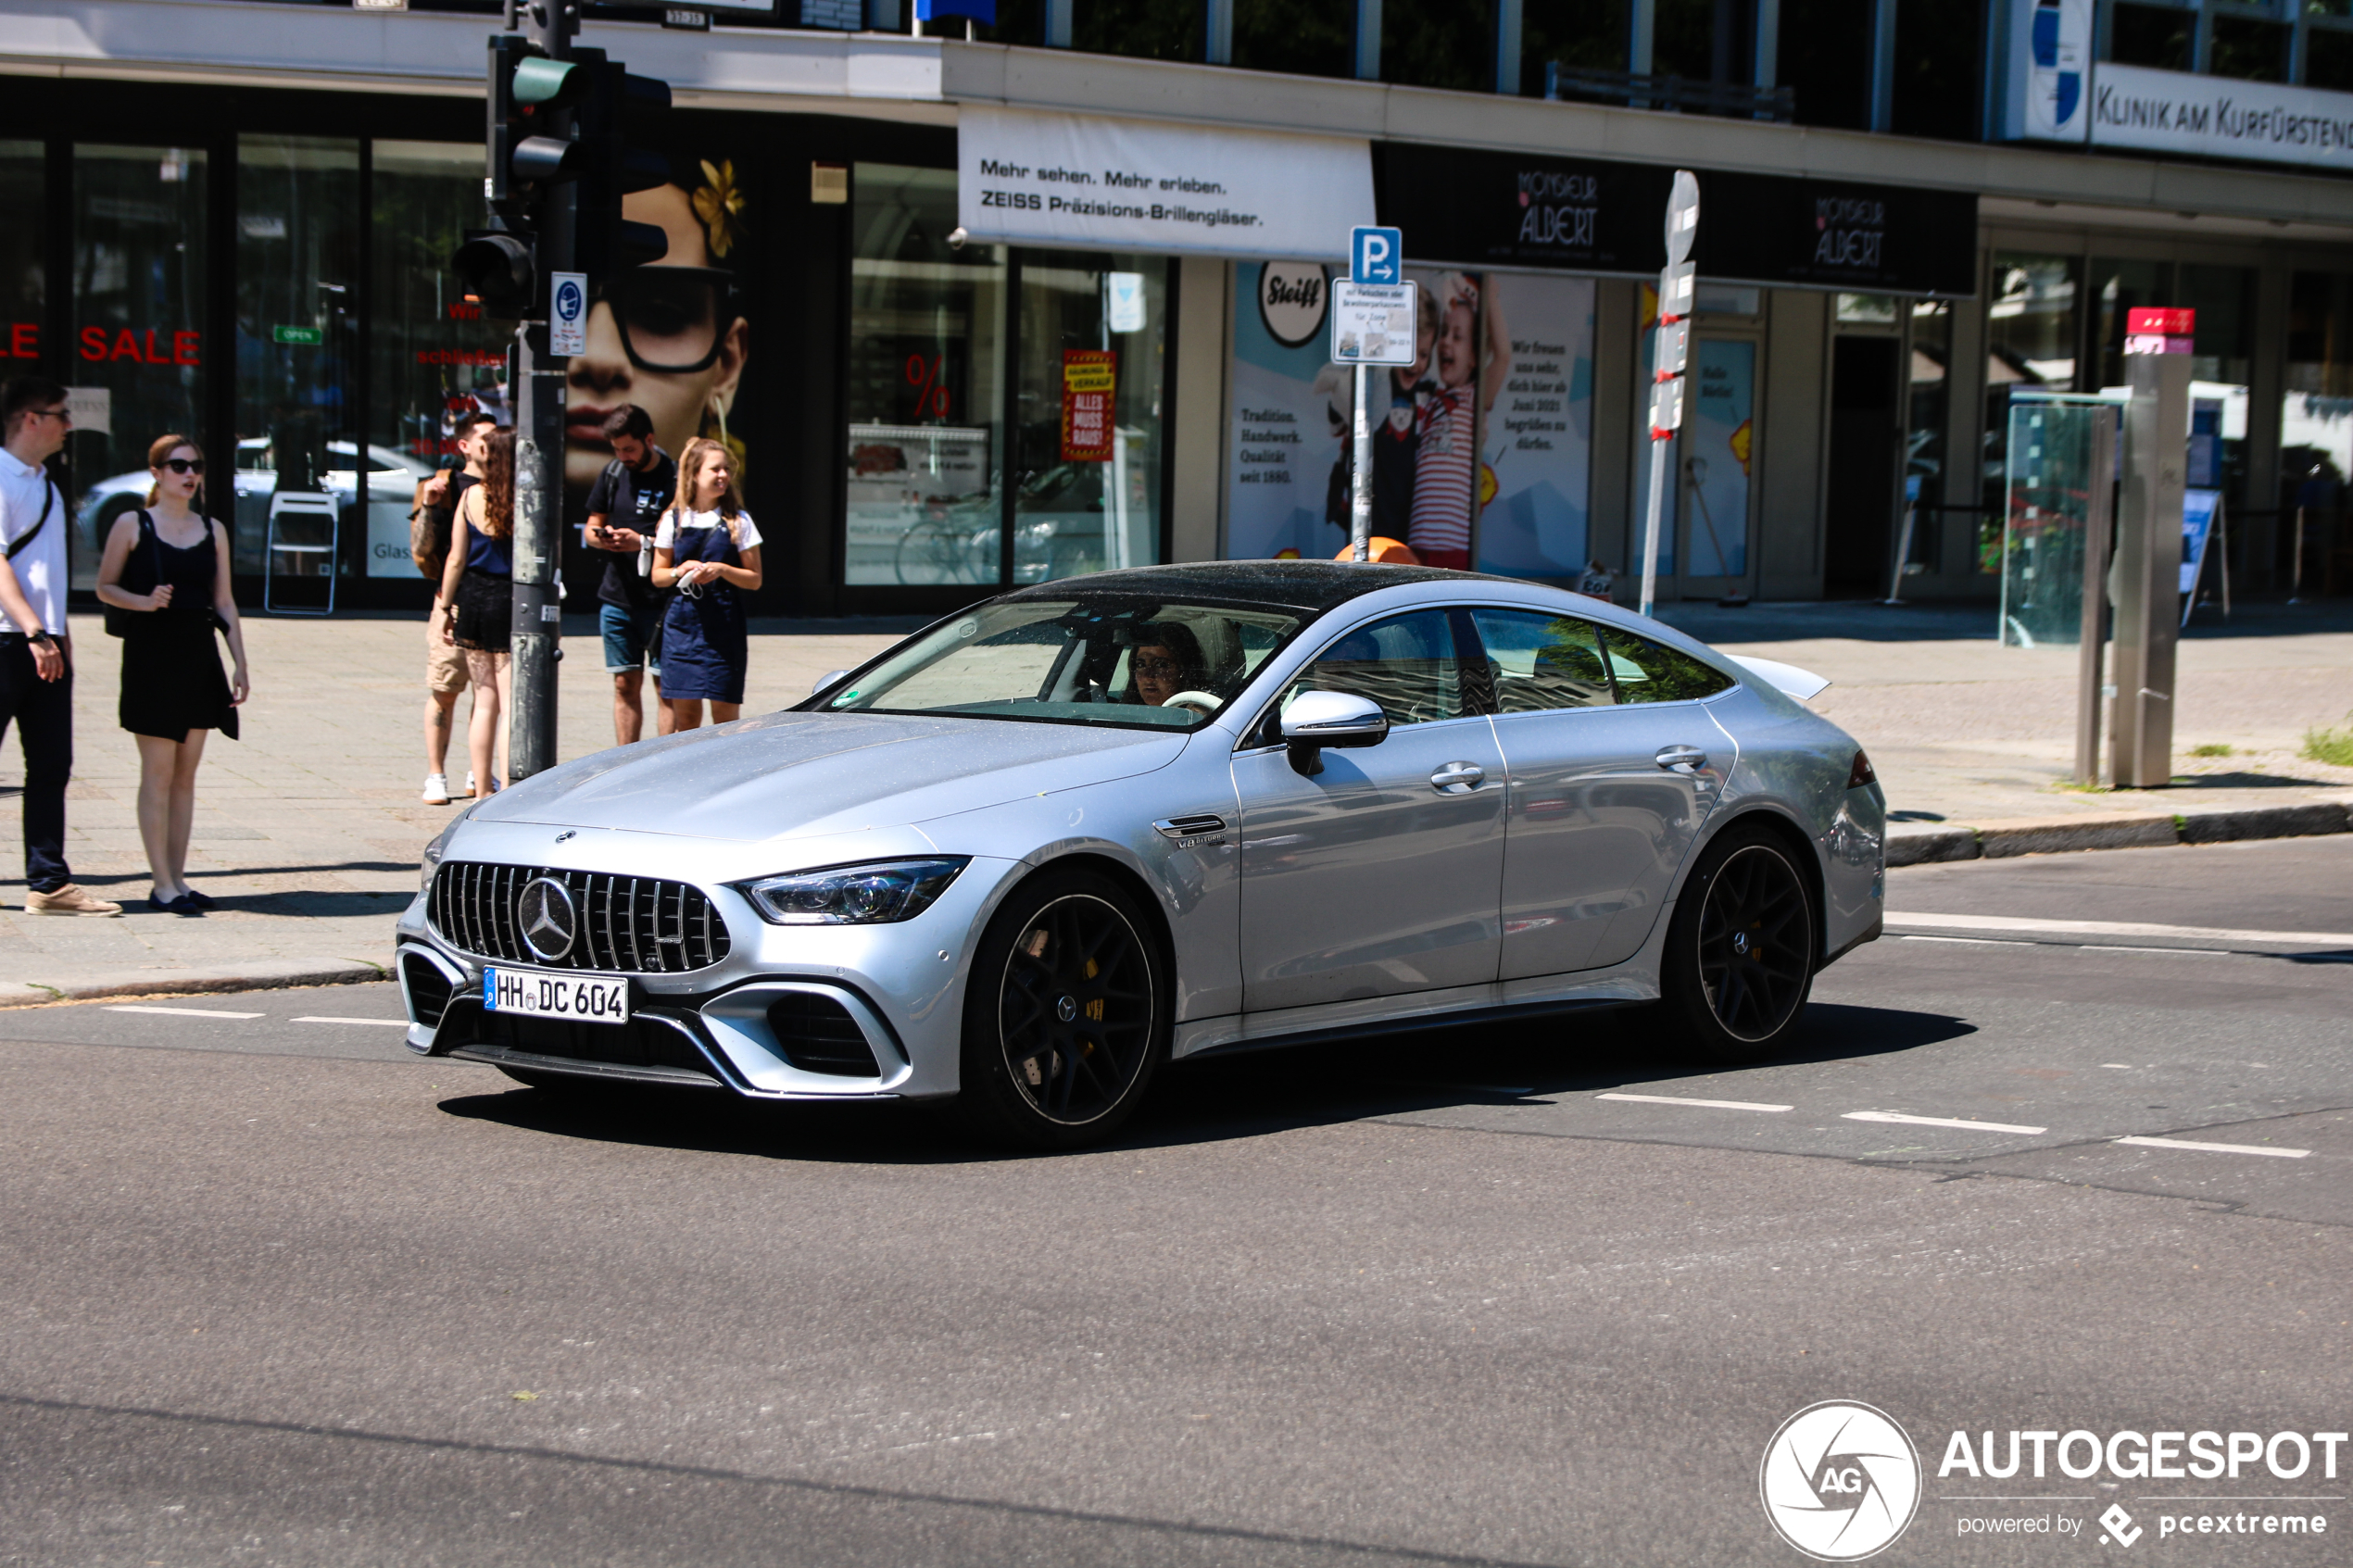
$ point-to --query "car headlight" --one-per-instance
(869, 895)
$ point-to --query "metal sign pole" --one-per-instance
(1670, 350)
(539, 468)
(1360, 503)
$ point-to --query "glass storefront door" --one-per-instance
(432, 357)
(1093, 341)
(298, 227)
(137, 324)
(926, 374)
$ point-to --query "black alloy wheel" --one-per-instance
(1065, 1017)
(1740, 953)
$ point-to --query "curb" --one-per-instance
(1932, 843)
(266, 975)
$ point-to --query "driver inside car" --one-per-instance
(1166, 662)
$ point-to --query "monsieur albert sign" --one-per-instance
(1128, 185)
(1585, 215)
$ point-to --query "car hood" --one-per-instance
(789, 775)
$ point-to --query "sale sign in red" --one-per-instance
(1091, 377)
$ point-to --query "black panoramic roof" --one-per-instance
(1313, 586)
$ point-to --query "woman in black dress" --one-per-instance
(168, 566)
(475, 610)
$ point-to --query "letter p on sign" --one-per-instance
(1376, 255)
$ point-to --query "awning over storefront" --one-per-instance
(1587, 215)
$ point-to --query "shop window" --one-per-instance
(1704, 40)
(432, 357)
(2328, 60)
(2222, 353)
(2032, 341)
(1303, 37)
(1928, 411)
(1018, 22)
(1439, 44)
(1093, 363)
(2316, 436)
(2250, 49)
(1866, 309)
(927, 373)
(2159, 36)
(1586, 34)
(138, 324)
(1937, 76)
(298, 223)
(1826, 58)
(23, 262)
(1154, 29)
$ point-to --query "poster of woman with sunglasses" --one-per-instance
(669, 337)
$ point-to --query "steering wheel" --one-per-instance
(1203, 702)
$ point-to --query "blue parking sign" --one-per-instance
(1376, 255)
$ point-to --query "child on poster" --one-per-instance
(1446, 456)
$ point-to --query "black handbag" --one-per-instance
(121, 621)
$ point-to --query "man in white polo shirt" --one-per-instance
(36, 655)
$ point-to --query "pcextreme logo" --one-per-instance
(1840, 1481)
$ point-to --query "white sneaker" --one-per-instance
(437, 789)
(471, 788)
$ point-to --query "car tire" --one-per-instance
(1742, 948)
(1066, 1015)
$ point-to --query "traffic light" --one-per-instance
(496, 271)
(612, 104)
(527, 142)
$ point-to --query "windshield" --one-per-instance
(1135, 662)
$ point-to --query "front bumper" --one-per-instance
(792, 1013)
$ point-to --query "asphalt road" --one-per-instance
(275, 1292)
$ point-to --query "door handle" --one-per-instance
(1457, 778)
(1685, 759)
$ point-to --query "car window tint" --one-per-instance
(1541, 662)
(1649, 672)
(1406, 664)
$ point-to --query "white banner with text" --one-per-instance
(1032, 177)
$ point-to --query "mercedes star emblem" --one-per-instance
(549, 921)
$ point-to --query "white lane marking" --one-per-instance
(1973, 941)
(2219, 1148)
(2119, 1066)
(2169, 952)
(1710, 1104)
(182, 1012)
(379, 1022)
(2116, 928)
(1940, 1122)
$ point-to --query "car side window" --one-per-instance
(1407, 664)
(1538, 662)
(1648, 671)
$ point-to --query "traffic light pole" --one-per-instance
(539, 458)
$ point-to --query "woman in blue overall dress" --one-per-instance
(707, 552)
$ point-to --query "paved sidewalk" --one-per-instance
(307, 830)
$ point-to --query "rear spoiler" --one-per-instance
(1799, 683)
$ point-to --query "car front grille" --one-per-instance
(634, 923)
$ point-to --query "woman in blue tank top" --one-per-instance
(708, 551)
(476, 606)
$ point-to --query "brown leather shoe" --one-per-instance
(70, 899)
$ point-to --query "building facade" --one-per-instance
(980, 312)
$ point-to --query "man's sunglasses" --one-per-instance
(673, 319)
(184, 464)
(59, 414)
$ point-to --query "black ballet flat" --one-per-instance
(184, 905)
(201, 900)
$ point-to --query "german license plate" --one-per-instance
(530, 994)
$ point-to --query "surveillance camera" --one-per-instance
(956, 237)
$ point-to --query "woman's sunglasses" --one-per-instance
(184, 464)
(673, 319)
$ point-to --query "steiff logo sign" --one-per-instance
(1293, 298)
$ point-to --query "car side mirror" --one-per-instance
(1315, 720)
(827, 679)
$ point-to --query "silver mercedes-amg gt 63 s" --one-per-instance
(1031, 854)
